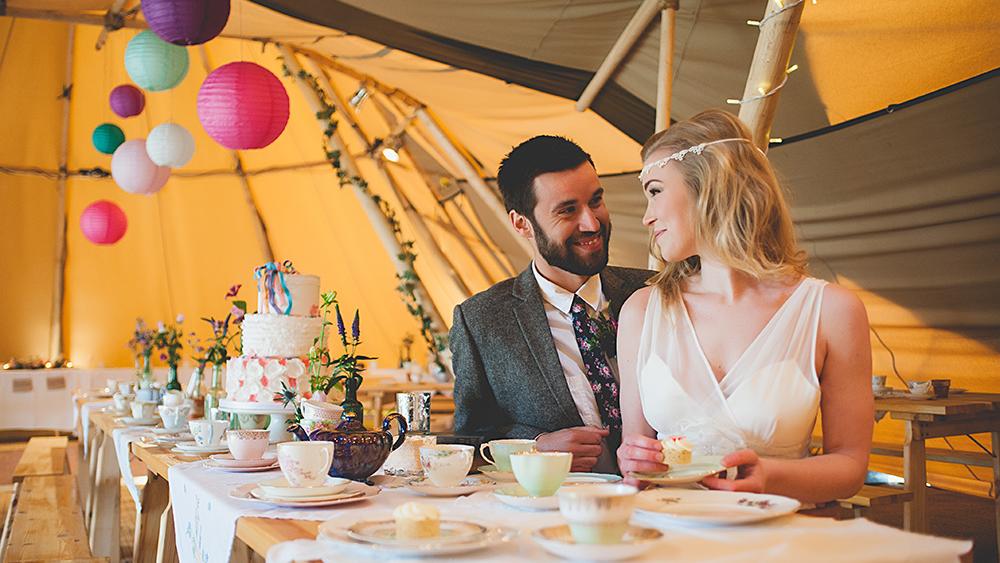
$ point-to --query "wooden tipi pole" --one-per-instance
(665, 68)
(768, 72)
(378, 221)
(59, 279)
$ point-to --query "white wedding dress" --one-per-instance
(767, 401)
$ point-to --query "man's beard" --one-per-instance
(562, 256)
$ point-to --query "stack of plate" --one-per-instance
(226, 462)
(468, 486)
(690, 506)
(279, 492)
(192, 448)
(379, 537)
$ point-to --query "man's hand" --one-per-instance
(584, 442)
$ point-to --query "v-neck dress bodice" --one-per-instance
(767, 401)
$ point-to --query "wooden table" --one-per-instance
(379, 390)
(966, 413)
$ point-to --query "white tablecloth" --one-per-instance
(84, 414)
(205, 519)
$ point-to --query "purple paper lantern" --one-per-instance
(243, 106)
(186, 22)
(127, 100)
(103, 222)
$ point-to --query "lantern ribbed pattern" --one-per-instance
(170, 144)
(103, 222)
(107, 137)
(134, 172)
(186, 22)
(127, 100)
(243, 106)
(154, 64)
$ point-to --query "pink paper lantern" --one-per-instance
(243, 106)
(127, 100)
(134, 172)
(103, 222)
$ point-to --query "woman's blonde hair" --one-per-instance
(740, 212)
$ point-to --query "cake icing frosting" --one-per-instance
(279, 335)
(676, 450)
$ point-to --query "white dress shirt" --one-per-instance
(557, 302)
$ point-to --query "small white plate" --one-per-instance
(132, 421)
(492, 472)
(227, 460)
(558, 540)
(334, 531)
(383, 532)
(699, 468)
(514, 495)
(194, 448)
(259, 469)
(355, 492)
(171, 432)
(427, 488)
(712, 507)
(590, 478)
(279, 487)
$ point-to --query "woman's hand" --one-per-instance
(640, 453)
(751, 476)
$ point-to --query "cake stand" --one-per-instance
(279, 416)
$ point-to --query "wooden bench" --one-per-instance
(43, 456)
(47, 523)
(943, 455)
(874, 495)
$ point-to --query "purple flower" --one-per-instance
(340, 326)
(180, 318)
(233, 290)
(163, 357)
(356, 326)
(237, 314)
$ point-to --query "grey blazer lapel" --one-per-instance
(614, 289)
(530, 313)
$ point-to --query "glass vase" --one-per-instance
(196, 392)
(216, 392)
(172, 383)
(146, 377)
(352, 406)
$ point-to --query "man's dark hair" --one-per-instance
(529, 160)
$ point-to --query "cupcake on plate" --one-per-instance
(415, 520)
(676, 451)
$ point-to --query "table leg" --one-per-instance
(166, 547)
(105, 525)
(915, 474)
(82, 474)
(155, 498)
(995, 436)
(96, 440)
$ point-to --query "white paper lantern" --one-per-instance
(170, 144)
(134, 172)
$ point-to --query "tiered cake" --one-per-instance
(276, 340)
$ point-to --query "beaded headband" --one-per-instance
(697, 149)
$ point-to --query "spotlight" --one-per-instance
(390, 154)
(359, 97)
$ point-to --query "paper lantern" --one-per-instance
(103, 222)
(107, 137)
(186, 22)
(127, 100)
(170, 145)
(154, 64)
(243, 106)
(134, 172)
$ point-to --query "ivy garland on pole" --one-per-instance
(408, 280)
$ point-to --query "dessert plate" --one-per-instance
(132, 421)
(712, 507)
(514, 495)
(280, 488)
(332, 531)
(171, 431)
(427, 488)
(227, 460)
(558, 540)
(492, 472)
(194, 448)
(355, 492)
(383, 532)
(699, 468)
(230, 469)
(590, 478)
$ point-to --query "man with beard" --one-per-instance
(534, 356)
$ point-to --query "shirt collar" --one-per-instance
(591, 292)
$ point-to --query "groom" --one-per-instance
(534, 356)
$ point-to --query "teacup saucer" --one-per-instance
(558, 540)
(229, 469)
(699, 468)
(170, 431)
(580, 478)
(227, 460)
(470, 485)
(492, 472)
(514, 495)
(194, 448)
(132, 421)
(280, 488)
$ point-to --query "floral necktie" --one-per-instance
(589, 335)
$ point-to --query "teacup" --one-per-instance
(143, 409)
(321, 410)
(125, 388)
(541, 473)
(597, 514)
(878, 381)
(174, 417)
(941, 387)
(151, 394)
(173, 398)
(305, 464)
(920, 387)
(501, 450)
(208, 432)
(121, 402)
(446, 465)
(248, 444)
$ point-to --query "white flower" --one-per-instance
(160, 327)
(180, 318)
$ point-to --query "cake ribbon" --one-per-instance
(269, 277)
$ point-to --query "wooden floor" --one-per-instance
(951, 514)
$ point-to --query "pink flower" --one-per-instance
(180, 318)
(233, 290)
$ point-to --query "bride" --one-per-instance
(732, 345)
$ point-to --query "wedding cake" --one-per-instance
(276, 340)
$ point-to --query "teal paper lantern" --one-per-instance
(107, 137)
(154, 64)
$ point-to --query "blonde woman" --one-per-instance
(732, 345)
